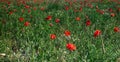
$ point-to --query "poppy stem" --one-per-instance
(103, 47)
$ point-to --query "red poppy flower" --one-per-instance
(9, 3)
(112, 14)
(116, 29)
(52, 36)
(110, 10)
(67, 33)
(80, 9)
(88, 23)
(27, 6)
(77, 18)
(21, 19)
(97, 33)
(66, 8)
(48, 17)
(57, 20)
(70, 46)
(26, 23)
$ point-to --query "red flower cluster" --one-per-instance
(112, 14)
(116, 29)
(11, 12)
(67, 33)
(80, 9)
(26, 23)
(27, 6)
(110, 10)
(57, 20)
(52, 36)
(66, 8)
(70, 46)
(48, 17)
(97, 33)
(88, 23)
(77, 18)
(21, 19)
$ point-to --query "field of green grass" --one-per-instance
(60, 32)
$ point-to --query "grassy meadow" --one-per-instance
(63, 31)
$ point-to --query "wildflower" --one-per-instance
(21, 19)
(110, 10)
(88, 23)
(70, 46)
(27, 6)
(26, 23)
(67, 33)
(97, 33)
(48, 17)
(80, 9)
(66, 8)
(116, 29)
(52, 36)
(9, 3)
(77, 18)
(112, 15)
(57, 20)
(11, 12)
